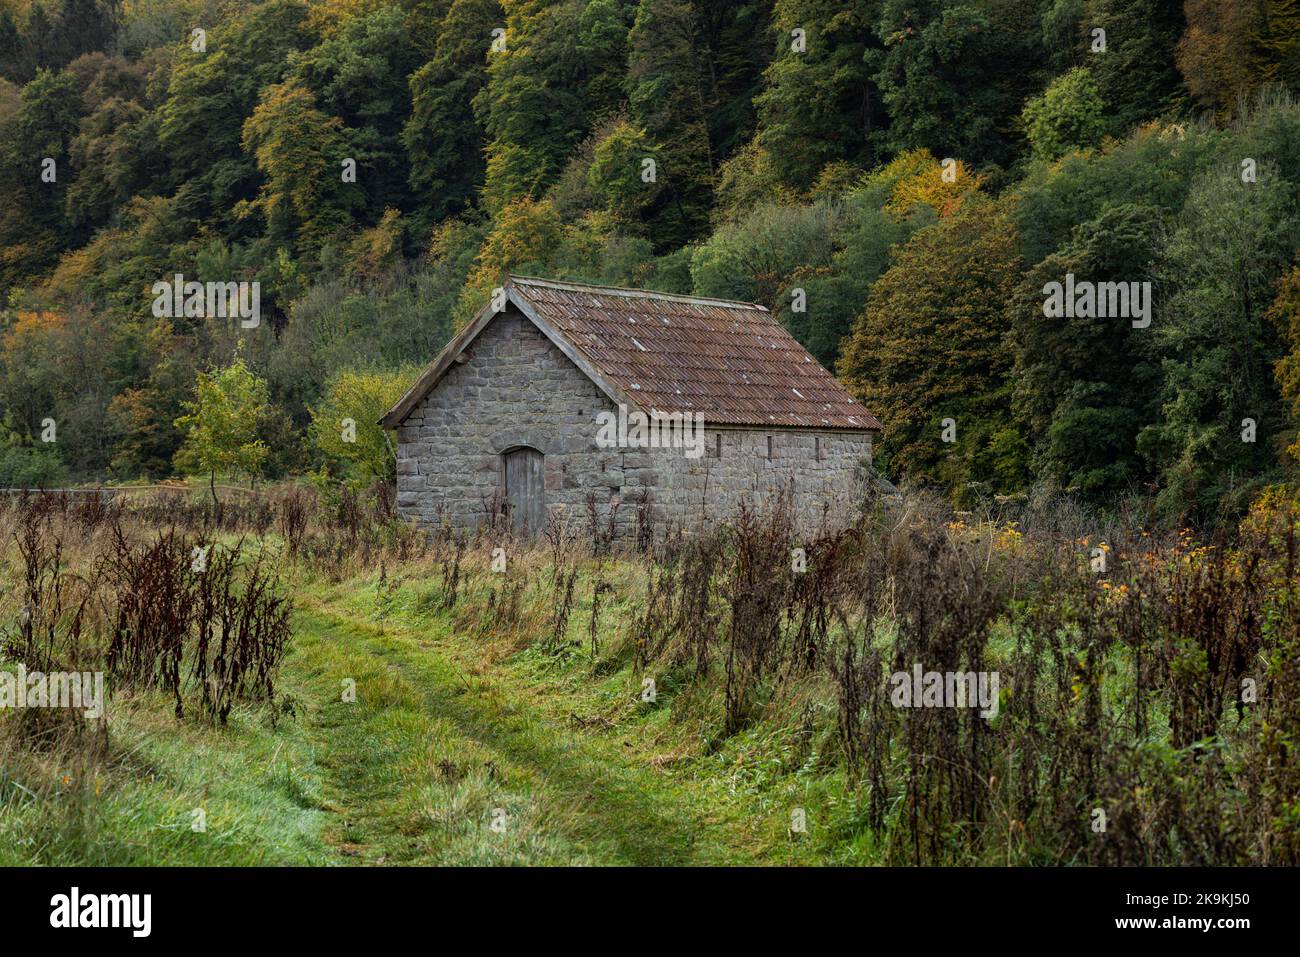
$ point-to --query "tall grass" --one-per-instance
(1148, 712)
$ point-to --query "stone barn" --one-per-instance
(559, 396)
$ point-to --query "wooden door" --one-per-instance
(526, 490)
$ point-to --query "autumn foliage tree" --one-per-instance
(1214, 53)
(929, 354)
(301, 152)
(1232, 48)
(525, 232)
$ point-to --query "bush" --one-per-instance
(26, 467)
(345, 428)
(1068, 116)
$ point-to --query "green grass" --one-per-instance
(449, 732)
(258, 789)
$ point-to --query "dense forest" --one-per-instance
(900, 181)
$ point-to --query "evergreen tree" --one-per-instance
(443, 139)
(32, 222)
(820, 104)
(1084, 385)
(1136, 74)
(735, 43)
(548, 85)
(1233, 242)
(953, 75)
(1062, 34)
(360, 75)
(667, 93)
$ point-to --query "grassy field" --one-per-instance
(446, 728)
(357, 693)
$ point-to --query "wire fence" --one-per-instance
(112, 490)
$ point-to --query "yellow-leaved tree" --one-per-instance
(526, 231)
(916, 178)
(345, 428)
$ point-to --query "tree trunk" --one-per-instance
(216, 505)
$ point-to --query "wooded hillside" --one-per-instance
(899, 180)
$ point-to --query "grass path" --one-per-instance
(452, 750)
(415, 768)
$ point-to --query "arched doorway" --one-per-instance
(525, 481)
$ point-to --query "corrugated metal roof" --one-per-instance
(731, 361)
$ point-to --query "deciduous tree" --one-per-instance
(929, 355)
(220, 425)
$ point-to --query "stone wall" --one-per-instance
(515, 388)
(822, 471)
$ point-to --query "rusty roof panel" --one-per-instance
(731, 361)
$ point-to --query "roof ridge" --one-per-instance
(732, 361)
(631, 292)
